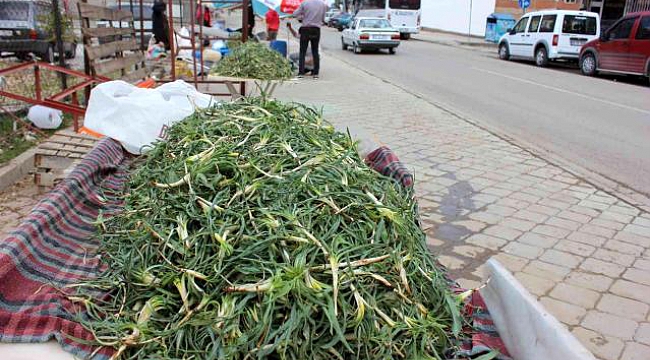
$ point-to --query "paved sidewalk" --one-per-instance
(16, 202)
(584, 253)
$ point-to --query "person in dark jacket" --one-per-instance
(159, 23)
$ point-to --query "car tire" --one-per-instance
(404, 36)
(356, 49)
(541, 57)
(391, 51)
(588, 64)
(340, 29)
(343, 46)
(504, 52)
(48, 55)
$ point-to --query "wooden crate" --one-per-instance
(57, 156)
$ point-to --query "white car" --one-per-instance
(550, 35)
(370, 33)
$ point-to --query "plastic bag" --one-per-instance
(44, 117)
(137, 117)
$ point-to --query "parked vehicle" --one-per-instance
(24, 29)
(334, 19)
(404, 15)
(623, 48)
(330, 14)
(343, 21)
(368, 33)
(550, 35)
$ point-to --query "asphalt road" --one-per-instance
(599, 124)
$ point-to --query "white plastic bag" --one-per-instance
(137, 117)
(44, 117)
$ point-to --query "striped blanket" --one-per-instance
(56, 246)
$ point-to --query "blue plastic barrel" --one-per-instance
(279, 46)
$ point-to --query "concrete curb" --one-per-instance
(17, 168)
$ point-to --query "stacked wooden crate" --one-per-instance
(59, 154)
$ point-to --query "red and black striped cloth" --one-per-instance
(56, 245)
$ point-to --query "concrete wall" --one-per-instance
(453, 15)
(512, 7)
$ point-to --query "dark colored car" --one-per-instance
(341, 21)
(624, 48)
(23, 30)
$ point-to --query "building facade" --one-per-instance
(512, 6)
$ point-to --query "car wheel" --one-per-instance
(356, 49)
(343, 46)
(541, 57)
(391, 51)
(340, 29)
(48, 55)
(404, 36)
(588, 64)
(504, 52)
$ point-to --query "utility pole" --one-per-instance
(469, 27)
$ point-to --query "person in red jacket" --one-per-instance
(203, 15)
(272, 24)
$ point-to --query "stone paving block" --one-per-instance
(485, 217)
(500, 210)
(642, 264)
(570, 197)
(634, 351)
(525, 197)
(546, 210)
(604, 347)
(597, 230)
(575, 295)
(496, 191)
(610, 325)
(536, 285)
(575, 248)
(561, 258)
(471, 225)
(468, 250)
(607, 224)
(614, 257)
(638, 230)
(642, 221)
(629, 309)
(625, 209)
(633, 238)
(593, 205)
(643, 334)
(538, 240)
(560, 205)
(591, 281)
(631, 290)
(517, 224)
(486, 198)
(567, 313)
(585, 211)
(486, 241)
(563, 223)
(603, 198)
(546, 270)
(551, 231)
(614, 216)
(511, 262)
(514, 203)
(574, 216)
(624, 247)
(522, 250)
(602, 267)
(502, 232)
(531, 216)
(536, 191)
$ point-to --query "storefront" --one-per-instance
(612, 10)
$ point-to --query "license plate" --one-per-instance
(6, 33)
(380, 37)
(578, 42)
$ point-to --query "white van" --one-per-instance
(550, 35)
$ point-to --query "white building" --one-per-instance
(454, 15)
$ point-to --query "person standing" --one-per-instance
(312, 15)
(272, 24)
(160, 25)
